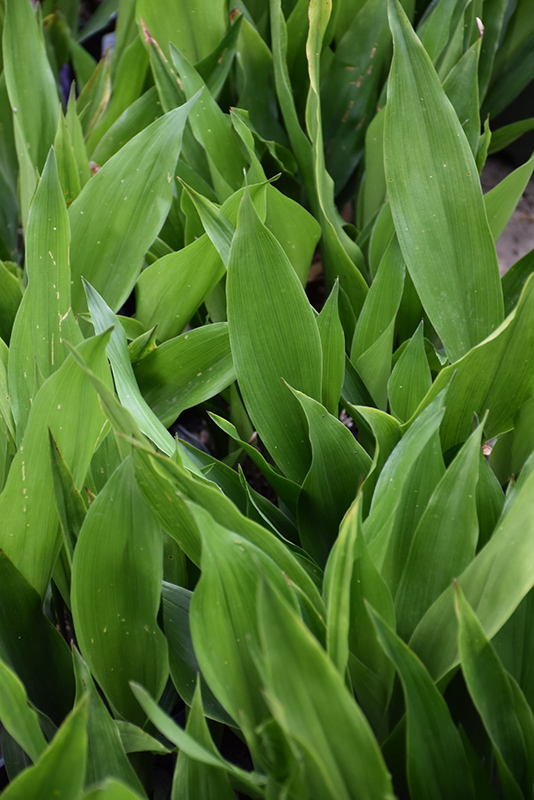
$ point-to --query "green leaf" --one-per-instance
(70, 505)
(122, 208)
(67, 406)
(373, 337)
(30, 82)
(69, 174)
(514, 280)
(497, 375)
(184, 667)
(192, 779)
(94, 97)
(200, 491)
(112, 790)
(274, 338)
(19, 720)
(215, 223)
(333, 347)
(31, 645)
(9, 209)
(105, 754)
(387, 433)
(494, 584)
(195, 27)
(145, 110)
(287, 490)
(61, 768)
(44, 317)
(172, 513)
(136, 740)
(213, 130)
(215, 67)
(444, 771)
(501, 201)
(314, 708)
(436, 200)
(10, 298)
(116, 588)
(339, 464)
(507, 134)
(350, 576)
(191, 747)
(514, 646)
(410, 379)
(294, 227)
(497, 699)
(349, 91)
(394, 478)
(256, 83)
(128, 82)
(170, 290)
(74, 127)
(224, 623)
(445, 540)
(130, 396)
(340, 254)
(461, 87)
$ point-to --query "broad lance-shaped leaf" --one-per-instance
(116, 590)
(498, 375)
(506, 715)
(213, 130)
(517, 629)
(311, 703)
(410, 379)
(436, 199)
(68, 407)
(387, 434)
(339, 464)
(494, 584)
(186, 371)
(32, 93)
(197, 490)
(170, 290)
(333, 346)
(19, 720)
(195, 27)
(351, 84)
(373, 337)
(224, 624)
(502, 200)
(183, 663)
(445, 541)
(390, 486)
(121, 209)
(444, 770)
(350, 576)
(130, 396)
(105, 753)
(274, 338)
(44, 317)
(33, 647)
(60, 771)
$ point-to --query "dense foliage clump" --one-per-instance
(266, 403)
